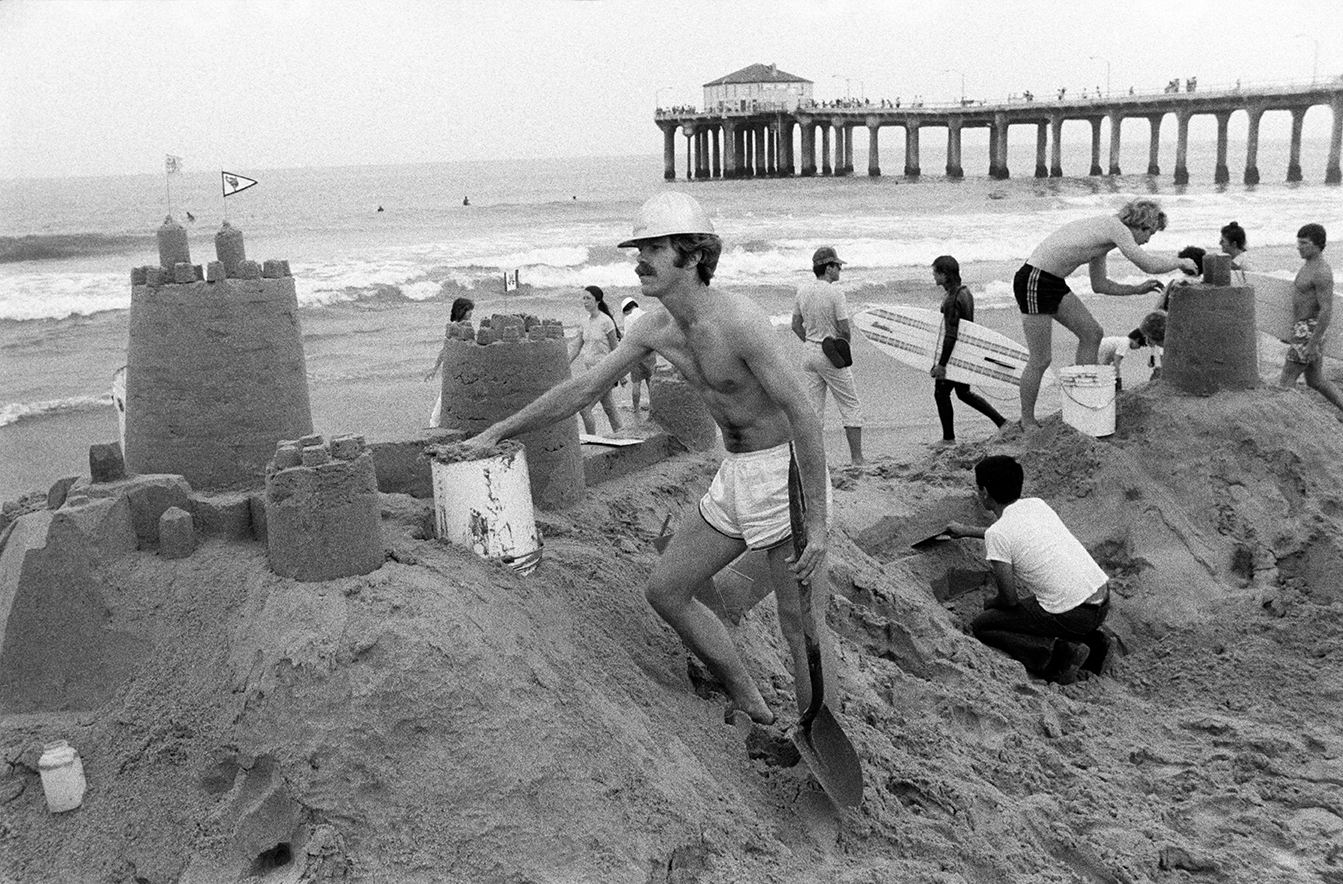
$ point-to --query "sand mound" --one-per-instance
(443, 719)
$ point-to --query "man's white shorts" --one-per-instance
(748, 498)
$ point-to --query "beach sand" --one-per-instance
(445, 719)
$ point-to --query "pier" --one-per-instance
(766, 140)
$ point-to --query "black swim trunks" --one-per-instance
(1038, 291)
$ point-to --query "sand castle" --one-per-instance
(1211, 339)
(323, 518)
(497, 371)
(214, 365)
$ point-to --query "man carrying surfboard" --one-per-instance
(727, 350)
(1043, 295)
(1312, 309)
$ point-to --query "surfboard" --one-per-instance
(1273, 311)
(611, 441)
(913, 335)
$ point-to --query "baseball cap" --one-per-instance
(667, 214)
(825, 255)
(627, 304)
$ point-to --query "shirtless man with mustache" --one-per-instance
(727, 350)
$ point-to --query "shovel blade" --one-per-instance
(831, 758)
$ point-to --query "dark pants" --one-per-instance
(942, 390)
(1034, 637)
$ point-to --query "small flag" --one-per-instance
(510, 280)
(233, 182)
(172, 165)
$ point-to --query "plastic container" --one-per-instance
(486, 504)
(62, 776)
(1089, 398)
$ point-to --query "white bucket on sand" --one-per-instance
(62, 774)
(1089, 398)
(486, 505)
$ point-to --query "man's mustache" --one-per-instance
(644, 270)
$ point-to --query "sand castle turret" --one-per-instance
(678, 409)
(490, 375)
(323, 512)
(215, 375)
(1211, 337)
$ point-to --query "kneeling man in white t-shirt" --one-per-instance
(1052, 596)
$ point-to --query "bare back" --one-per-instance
(728, 350)
(1082, 241)
(1312, 289)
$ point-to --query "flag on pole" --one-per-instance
(233, 182)
(172, 165)
(510, 280)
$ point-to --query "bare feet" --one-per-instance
(761, 714)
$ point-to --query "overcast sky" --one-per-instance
(91, 87)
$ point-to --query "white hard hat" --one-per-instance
(668, 214)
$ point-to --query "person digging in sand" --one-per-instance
(1054, 629)
(1043, 295)
(727, 350)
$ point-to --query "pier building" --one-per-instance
(760, 122)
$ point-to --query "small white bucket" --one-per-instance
(486, 505)
(62, 774)
(1089, 398)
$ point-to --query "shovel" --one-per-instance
(819, 739)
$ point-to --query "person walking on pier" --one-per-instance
(1313, 308)
(958, 304)
(1043, 295)
(724, 345)
(821, 314)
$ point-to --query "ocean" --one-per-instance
(364, 276)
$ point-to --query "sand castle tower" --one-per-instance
(1211, 338)
(505, 366)
(678, 409)
(323, 511)
(214, 367)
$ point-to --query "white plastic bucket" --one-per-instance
(62, 774)
(486, 505)
(1089, 398)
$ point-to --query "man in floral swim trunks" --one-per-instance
(1313, 308)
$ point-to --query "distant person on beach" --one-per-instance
(1193, 253)
(1313, 308)
(597, 336)
(957, 304)
(642, 373)
(466, 200)
(1052, 596)
(1043, 295)
(727, 350)
(1232, 243)
(1114, 348)
(459, 312)
(821, 313)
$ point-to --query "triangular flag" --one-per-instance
(172, 165)
(233, 182)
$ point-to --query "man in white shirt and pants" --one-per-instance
(819, 312)
(1055, 629)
